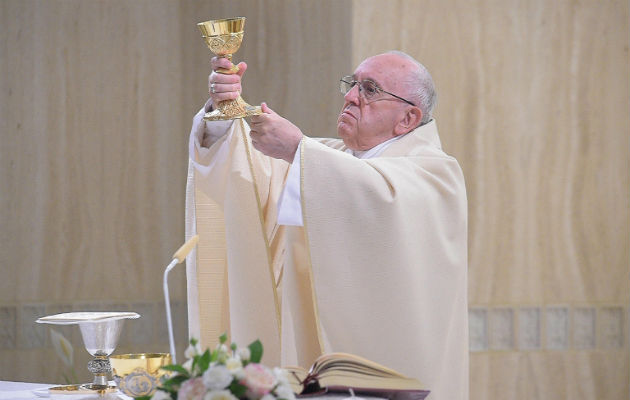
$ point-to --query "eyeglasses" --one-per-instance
(368, 89)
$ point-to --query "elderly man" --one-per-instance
(355, 245)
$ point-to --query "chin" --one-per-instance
(346, 135)
(344, 130)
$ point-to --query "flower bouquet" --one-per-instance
(227, 373)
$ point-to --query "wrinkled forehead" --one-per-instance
(389, 71)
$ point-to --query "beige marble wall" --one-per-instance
(95, 107)
(96, 99)
(93, 162)
(533, 102)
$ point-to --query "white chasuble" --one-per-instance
(378, 270)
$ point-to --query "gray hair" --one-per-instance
(421, 87)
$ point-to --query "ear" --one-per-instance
(409, 122)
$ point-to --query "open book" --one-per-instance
(340, 372)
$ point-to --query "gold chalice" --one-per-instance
(224, 37)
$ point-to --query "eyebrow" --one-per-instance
(369, 79)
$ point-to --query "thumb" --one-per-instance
(265, 108)
(242, 67)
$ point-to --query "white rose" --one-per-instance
(188, 365)
(192, 351)
(244, 353)
(219, 395)
(285, 392)
(217, 377)
(222, 348)
(259, 380)
(281, 375)
(239, 374)
(234, 364)
(268, 397)
(160, 395)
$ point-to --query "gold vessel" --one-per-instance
(139, 374)
(224, 38)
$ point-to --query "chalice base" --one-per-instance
(232, 109)
(100, 389)
(86, 388)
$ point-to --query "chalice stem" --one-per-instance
(234, 69)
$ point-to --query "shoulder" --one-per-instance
(422, 141)
(333, 143)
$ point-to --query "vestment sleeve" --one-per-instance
(205, 133)
(290, 203)
(209, 148)
(231, 164)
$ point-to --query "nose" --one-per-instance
(352, 96)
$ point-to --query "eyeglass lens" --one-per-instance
(367, 88)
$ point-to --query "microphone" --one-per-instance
(178, 257)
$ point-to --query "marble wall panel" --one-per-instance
(529, 332)
(557, 328)
(478, 329)
(96, 101)
(96, 151)
(533, 100)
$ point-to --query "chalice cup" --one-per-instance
(224, 37)
(100, 339)
(100, 332)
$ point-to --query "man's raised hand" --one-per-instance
(273, 135)
(222, 86)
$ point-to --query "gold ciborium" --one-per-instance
(139, 374)
(224, 37)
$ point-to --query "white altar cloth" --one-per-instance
(21, 390)
(37, 391)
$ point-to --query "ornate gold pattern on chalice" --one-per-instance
(224, 38)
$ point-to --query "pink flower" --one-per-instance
(192, 389)
(258, 379)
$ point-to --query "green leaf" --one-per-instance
(238, 390)
(256, 350)
(223, 338)
(143, 398)
(193, 341)
(170, 384)
(233, 346)
(176, 368)
(168, 390)
(204, 361)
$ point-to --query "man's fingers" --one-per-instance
(225, 87)
(220, 62)
(242, 67)
(255, 136)
(224, 96)
(259, 119)
(217, 77)
(265, 108)
(256, 120)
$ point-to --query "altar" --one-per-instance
(38, 391)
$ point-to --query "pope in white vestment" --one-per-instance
(355, 245)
